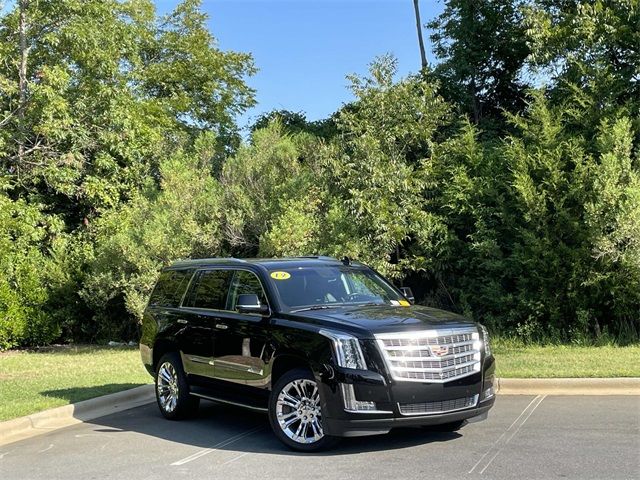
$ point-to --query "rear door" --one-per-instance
(242, 349)
(163, 310)
(205, 300)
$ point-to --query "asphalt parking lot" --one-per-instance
(525, 437)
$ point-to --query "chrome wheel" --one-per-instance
(298, 411)
(167, 385)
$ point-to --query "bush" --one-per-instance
(24, 230)
(178, 219)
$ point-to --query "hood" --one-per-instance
(384, 318)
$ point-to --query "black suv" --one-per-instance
(329, 348)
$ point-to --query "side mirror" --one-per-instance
(250, 303)
(408, 294)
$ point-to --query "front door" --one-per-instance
(241, 347)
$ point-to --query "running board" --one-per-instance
(229, 402)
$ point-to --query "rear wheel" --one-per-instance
(295, 413)
(172, 389)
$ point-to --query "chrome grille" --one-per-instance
(431, 355)
(430, 408)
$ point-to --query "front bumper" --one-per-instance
(388, 395)
(358, 427)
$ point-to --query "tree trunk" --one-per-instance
(475, 102)
(423, 55)
(22, 75)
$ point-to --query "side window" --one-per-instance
(170, 288)
(245, 283)
(210, 289)
(365, 286)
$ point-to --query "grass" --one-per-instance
(31, 381)
(516, 360)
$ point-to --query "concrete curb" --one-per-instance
(44, 422)
(569, 386)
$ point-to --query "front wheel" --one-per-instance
(172, 389)
(295, 413)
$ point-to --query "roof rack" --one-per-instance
(319, 257)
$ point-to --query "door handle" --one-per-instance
(182, 320)
(221, 326)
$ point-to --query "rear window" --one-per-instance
(210, 289)
(170, 288)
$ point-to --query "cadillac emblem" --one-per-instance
(439, 350)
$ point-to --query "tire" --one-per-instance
(447, 427)
(295, 413)
(172, 389)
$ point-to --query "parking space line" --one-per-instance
(4, 454)
(236, 458)
(499, 444)
(224, 443)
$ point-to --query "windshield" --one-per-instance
(327, 286)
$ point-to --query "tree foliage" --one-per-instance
(178, 219)
(110, 92)
(590, 51)
(111, 87)
(518, 207)
(482, 50)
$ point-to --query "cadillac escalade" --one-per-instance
(327, 347)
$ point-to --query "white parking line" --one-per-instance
(224, 443)
(236, 458)
(499, 445)
(4, 454)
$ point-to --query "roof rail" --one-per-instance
(319, 257)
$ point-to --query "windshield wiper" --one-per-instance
(315, 307)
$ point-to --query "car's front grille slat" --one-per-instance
(433, 408)
(431, 355)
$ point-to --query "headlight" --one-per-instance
(485, 337)
(346, 349)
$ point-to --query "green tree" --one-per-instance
(109, 89)
(589, 51)
(97, 98)
(575, 228)
(378, 178)
(482, 47)
(296, 122)
(179, 219)
(23, 285)
(259, 183)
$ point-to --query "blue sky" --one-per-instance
(305, 48)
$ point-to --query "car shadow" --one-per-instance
(228, 428)
(74, 395)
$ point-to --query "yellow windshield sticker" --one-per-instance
(404, 303)
(280, 275)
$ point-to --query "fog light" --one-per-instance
(488, 393)
(350, 402)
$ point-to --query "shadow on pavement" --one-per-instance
(74, 395)
(223, 427)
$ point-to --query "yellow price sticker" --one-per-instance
(280, 275)
(403, 303)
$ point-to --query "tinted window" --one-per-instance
(170, 288)
(332, 285)
(210, 289)
(245, 283)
